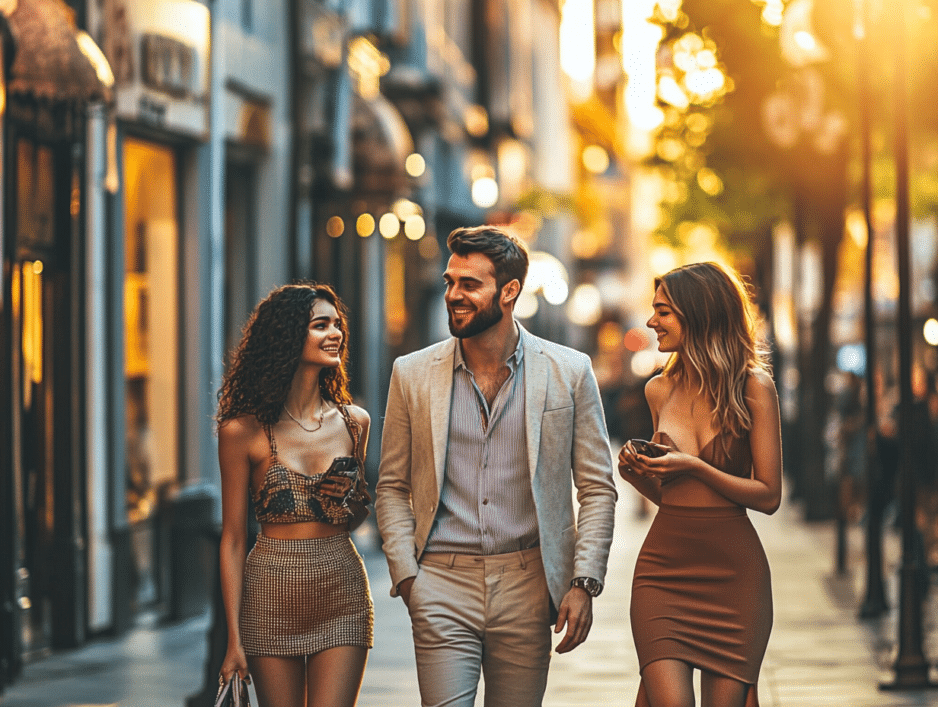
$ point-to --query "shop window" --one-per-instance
(35, 241)
(151, 257)
(240, 248)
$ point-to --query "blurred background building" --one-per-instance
(165, 163)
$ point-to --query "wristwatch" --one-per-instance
(591, 586)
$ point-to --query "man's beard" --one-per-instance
(479, 322)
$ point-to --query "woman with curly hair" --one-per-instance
(299, 610)
(701, 593)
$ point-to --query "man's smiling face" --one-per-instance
(472, 295)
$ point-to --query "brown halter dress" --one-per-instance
(702, 591)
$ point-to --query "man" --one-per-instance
(484, 433)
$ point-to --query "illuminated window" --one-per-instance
(151, 326)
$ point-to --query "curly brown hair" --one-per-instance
(266, 359)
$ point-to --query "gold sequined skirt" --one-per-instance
(301, 597)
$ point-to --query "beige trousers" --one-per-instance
(475, 614)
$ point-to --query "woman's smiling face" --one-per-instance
(666, 324)
(324, 342)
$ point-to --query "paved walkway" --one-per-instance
(819, 653)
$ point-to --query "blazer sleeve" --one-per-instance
(393, 499)
(593, 478)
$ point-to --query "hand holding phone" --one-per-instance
(648, 449)
(337, 481)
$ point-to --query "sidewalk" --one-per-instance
(819, 653)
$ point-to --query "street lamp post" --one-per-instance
(911, 668)
(874, 602)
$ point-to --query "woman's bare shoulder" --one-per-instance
(360, 415)
(760, 379)
(658, 388)
(760, 387)
(243, 429)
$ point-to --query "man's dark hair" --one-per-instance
(509, 255)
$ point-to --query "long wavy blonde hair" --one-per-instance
(721, 341)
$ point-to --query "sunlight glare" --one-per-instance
(577, 39)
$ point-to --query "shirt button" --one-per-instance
(485, 502)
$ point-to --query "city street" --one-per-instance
(819, 653)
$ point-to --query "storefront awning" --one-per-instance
(386, 127)
(53, 60)
(381, 144)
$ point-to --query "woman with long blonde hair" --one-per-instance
(701, 593)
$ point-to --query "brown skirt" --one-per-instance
(301, 597)
(702, 592)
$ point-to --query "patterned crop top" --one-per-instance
(288, 496)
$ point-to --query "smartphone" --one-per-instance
(649, 449)
(338, 479)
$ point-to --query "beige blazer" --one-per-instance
(567, 446)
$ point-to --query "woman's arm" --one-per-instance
(648, 486)
(656, 391)
(763, 490)
(234, 437)
(361, 416)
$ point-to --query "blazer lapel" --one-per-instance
(440, 391)
(535, 392)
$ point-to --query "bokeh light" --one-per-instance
(403, 208)
(609, 337)
(477, 120)
(585, 305)
(527, 305)
(414, 227)
(644, 363)
(335, 227)
(930, 331)
(636, 339)
(585, 244)
(662, 260)
(851, 358)
(485, 192)
(577, 40)
(389, 225)
(595, 159)
(415, 165)
(709, 181)
(365, 225)
(556, 291)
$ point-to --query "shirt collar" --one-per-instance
(513, 361)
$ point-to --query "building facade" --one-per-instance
(214, 151)
(53, 73)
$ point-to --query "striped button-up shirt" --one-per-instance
(486, 504)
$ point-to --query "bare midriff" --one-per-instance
(688, 491)
(304, 530)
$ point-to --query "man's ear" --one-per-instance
(510, 291)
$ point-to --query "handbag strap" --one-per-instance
(355, 430)
(233, 693)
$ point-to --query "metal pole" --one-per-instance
(911, 668)
(874, 601)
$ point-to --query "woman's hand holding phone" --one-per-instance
(648, 449)
(631, 464)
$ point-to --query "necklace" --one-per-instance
(322, 414)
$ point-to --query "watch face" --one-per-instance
(591, 586)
